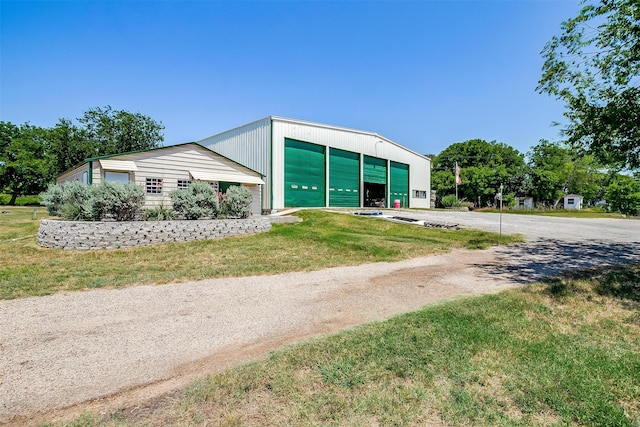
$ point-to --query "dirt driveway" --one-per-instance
(104, 349)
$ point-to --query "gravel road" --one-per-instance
(104, 349)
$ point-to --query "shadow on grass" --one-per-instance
(545, 259)
(619, 281)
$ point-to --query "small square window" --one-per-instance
(183, 184)
(154, 185)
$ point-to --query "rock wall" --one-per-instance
(88, 235)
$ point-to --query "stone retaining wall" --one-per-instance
(87, 235)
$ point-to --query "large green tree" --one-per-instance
(102, 131)
(118, 131)
(594, 66)
(31, 157)
(70, 145)
(557, 170)
(623, 195)
(25, 163)
(483, 167)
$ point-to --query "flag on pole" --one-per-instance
(458, 181)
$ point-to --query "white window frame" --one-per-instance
(419, 194)
(116, 176)
(153, 185)
(183, 184)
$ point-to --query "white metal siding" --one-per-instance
(260, 146)
(366, 143)
(420, 179)
(249, 145)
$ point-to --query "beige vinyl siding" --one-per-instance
(174, 163)
(171, 164)
(73, 174)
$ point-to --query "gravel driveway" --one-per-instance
(104, 349)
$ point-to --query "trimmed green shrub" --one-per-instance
(237, 203)
(75, 201)
(52, 199)
(72, 201)
(158, 213)
(118, 201)
(197, 201)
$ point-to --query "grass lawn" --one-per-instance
(564, 353)
(322, 240)
(582, 213)
(20, 201)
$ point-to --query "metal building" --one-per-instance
(308, 164)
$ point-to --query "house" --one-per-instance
(572, 201)
(308, 164)
(161, 170)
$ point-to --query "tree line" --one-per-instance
(593, 66)
(548, 172)
(31, 157)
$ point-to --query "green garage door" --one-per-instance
(344, 178)
(375, 170)
(374, 173)
(304, 174)
(399, 185)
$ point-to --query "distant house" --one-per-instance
(524, 202)
(159, 171)
(573, 201)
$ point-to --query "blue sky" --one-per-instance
(425, 74)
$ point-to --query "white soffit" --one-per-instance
(226, 177)
(118, 165)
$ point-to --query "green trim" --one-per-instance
(90, 177)
(271, 164)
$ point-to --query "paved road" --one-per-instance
(125, 346)
(539, 227)
(553, 244)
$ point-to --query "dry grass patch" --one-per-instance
(322, 240)
(509, 359)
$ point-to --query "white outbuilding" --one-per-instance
(573, 201)
(308, 164)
